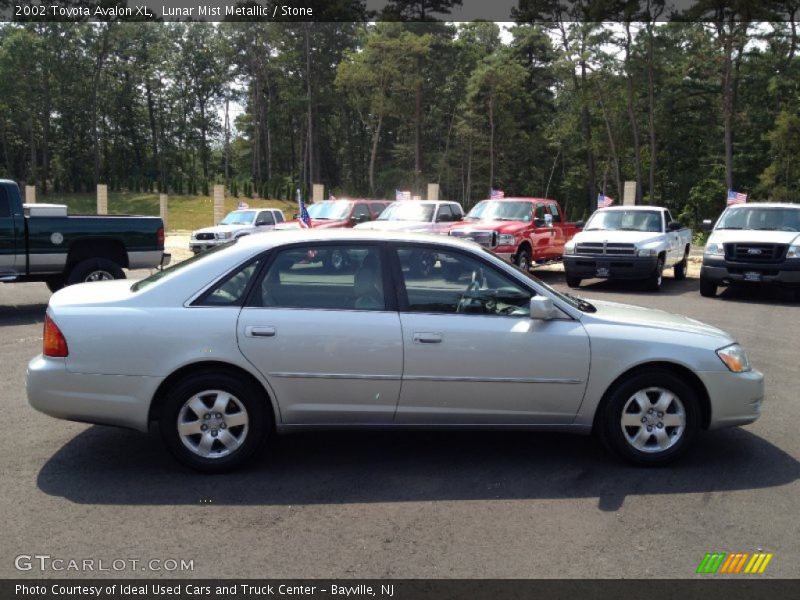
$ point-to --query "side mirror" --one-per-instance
(538, 222)
(580, 224)
(674, 226)
(707, 225)
(542, 308)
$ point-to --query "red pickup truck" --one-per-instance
(521, 230)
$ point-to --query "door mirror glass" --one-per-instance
(542, 308)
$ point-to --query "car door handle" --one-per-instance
(427, 338)
(253, 331)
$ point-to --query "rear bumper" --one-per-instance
(723, 272)
(735, 398)
(609, 267)
(119, 400)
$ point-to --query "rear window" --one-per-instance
(5, 206)
(172, 269)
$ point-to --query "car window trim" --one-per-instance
(196, 301)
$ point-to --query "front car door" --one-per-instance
(473, 355)
(265, 220)
(8, 237)
(328, 341)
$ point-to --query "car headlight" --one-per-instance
(646, 252)
(225, 235)
(569, 247)
(505, 239)
(735, 358)
(793, 251)
(715, 249)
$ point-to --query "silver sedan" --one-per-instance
(261, 336)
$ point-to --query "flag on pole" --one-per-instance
(331, 197)
(736, 197)
(303, 217)
(604, 201)
(496, 194)
(242, 205)
(402, 195)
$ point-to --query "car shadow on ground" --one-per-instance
(104, 465)
(669, 287)
(22, 314)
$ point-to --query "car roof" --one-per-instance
(639, 207)
(766, 205)
(520, 198)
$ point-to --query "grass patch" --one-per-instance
(185, 212)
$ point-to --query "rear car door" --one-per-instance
(328, 341)
(473, 355)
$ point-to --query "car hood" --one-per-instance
(618, 237)
(93, 293)
(498, 226)
(223, 229)
(628, 314)
(747, 236)
(394, 225)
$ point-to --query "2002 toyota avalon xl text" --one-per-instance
(262, 336)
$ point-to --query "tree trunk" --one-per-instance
(98, 70)
(637, 150)
(651, 104)
(418, 128)
(373, 153)
(227, 142)
(611, 142)
(310, 172)
(491, 144)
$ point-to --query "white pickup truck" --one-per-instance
(236, 224)
(753, 244)
(628, 242)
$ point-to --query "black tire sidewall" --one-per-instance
(80, 271)
(519, 259)
(246, 392)
(611, 431)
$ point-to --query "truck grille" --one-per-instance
(204, 236)
(606, 248)
(762, 253)
(484, 238)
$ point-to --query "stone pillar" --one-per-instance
(219, 203)
(318, 192)
(163, 209)
(629, 195)
(433, 191)
(30, 194)
(102, 199)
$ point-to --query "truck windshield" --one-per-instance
(407, 211)
(762, 218)
(239, 217)
(335, 210)
(625, 220)
(172, 269)
(500, 210)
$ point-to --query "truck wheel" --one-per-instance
(650, 419)
(523, 260)
(679, 270)
(55, 283)
(95, 269)
(573, 282)
(708, 288)
(654, 281)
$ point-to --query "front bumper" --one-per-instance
(735, 398)
(588, 266)
(119, 400)
(200, 245)
(723, 272)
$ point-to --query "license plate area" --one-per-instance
(603, 272)
(752, 276)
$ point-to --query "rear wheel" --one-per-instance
(573, 282)
(708, 288)
(95, 269)
(213, 422)
(650, 419)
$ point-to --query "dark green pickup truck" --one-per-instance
(39, 242)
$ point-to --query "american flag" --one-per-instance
(604, 201)
(402, 195)
(736, 197)
(331, 197)
(303, 218)
(496, 194)
(243, 205)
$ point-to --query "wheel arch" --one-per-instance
(206, 366)
(683, 373)
(87, 248)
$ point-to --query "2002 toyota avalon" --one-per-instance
(260, 336)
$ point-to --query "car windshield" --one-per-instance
(500, 210)
(334, 210)
(762, 218)
(172, 269)
(239, 217)
(625, 220)
(407, 211)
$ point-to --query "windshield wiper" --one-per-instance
(596, 229)
(730, 227)
(628, 229)
(582, 304)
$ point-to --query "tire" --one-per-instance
(679, 270)
(222, 445)
(653, 282)
(95, 269)
(574, 282)
(708, 289)
(55, 283)
(523, 260)
(622, 430)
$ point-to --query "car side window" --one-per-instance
(5, 205)
(265, 218)
(447, 281)
(554, 212)
(540, 211)
(445, 214)
(343, 277)
(278, 217)
(377, 209)
(231, 290)
(361, 210)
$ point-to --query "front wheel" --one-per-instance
(523, 260)
(708, 289)
(95, 269)
(650, 419)
(573, 282)
(55, 283)
(213, 422)
(654, 281)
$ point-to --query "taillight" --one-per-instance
(160, 236)
(54, 343)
